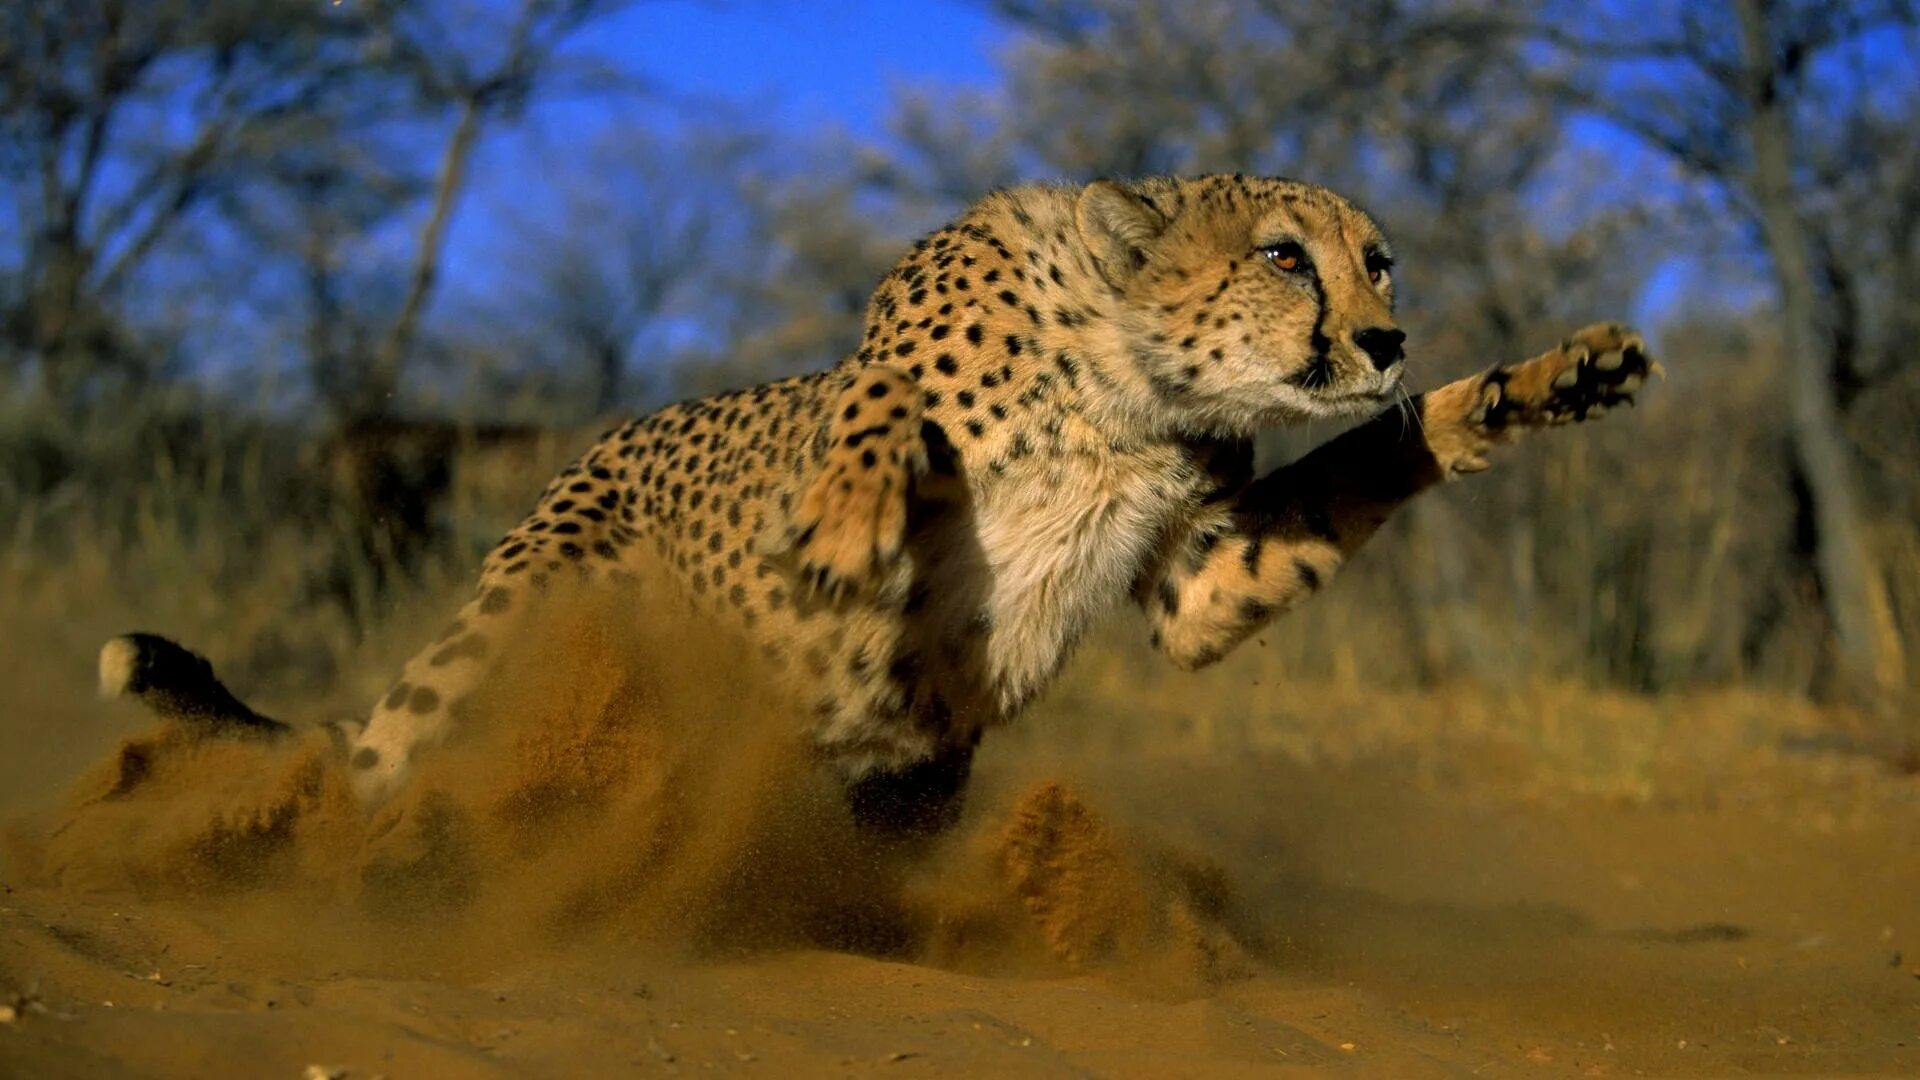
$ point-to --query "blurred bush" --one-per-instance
(238, 400)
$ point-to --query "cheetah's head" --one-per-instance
(1245, 302)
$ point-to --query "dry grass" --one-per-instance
(1648, 558)
(1514, 755)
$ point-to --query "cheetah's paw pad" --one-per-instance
(1597, 369)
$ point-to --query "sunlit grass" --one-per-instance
(1643, 560)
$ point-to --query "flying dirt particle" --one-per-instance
(591, 733)
(1072, 876)
(1349, 1047)
(1045, 878)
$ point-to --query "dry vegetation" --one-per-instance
(1636, 705)
(1535, 166)
(1653, 557)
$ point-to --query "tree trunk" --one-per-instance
(390, 356)
(610, 364)
(55, 317)
(1868, 644)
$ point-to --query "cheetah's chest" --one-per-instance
(1063, 539)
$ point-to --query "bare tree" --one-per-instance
(1736, 116)
(478, 86)
(627, 272)
(98, 185)
(807, 237)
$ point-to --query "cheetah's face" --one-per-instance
(1252, 303)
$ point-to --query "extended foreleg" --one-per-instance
(1287, 533)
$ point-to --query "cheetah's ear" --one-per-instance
(1116, 226)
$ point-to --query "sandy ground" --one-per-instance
(1386, 905)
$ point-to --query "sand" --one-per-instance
(626, 866)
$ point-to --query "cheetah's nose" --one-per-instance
(1381, 344)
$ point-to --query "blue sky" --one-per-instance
(806, 70)
(803, 69)
(802, 64)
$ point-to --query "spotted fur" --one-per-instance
(1050, 411)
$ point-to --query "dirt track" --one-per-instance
(612, 879)
(1401, 934)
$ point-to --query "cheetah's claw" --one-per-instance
(1597, 369)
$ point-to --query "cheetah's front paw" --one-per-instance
(1598, 368)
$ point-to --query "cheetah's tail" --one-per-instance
(179, 685)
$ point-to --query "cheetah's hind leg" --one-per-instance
(179, 685)
(848, 524)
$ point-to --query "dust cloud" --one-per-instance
(627, 861)
(623, 783)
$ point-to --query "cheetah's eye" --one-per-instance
(1287, 256)
(1379, 266)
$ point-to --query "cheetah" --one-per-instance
(1050, 414)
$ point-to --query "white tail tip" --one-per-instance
(117, 660)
